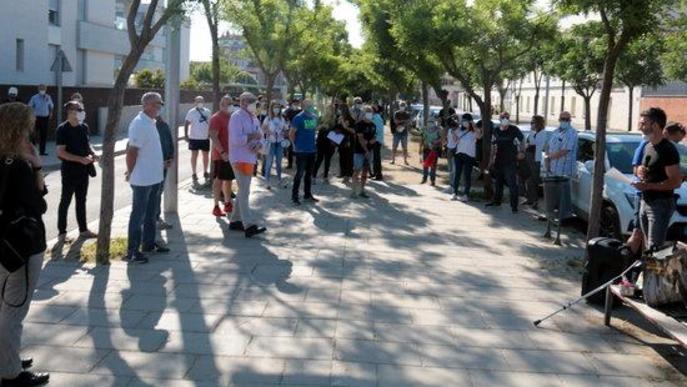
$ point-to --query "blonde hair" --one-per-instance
(16, 123)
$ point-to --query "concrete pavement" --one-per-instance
(403, 289)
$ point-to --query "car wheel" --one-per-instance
(610, 222)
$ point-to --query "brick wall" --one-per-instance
(674, 106)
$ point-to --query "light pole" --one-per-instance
(172, 103)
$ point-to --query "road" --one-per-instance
(122, 192)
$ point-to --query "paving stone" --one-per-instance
(454, 356)
(52, 334)
(257, 326)
(144, 340)
(481, 378)
(290, 347)
(353, 374)
(613, 364)
(105, 318)
(307, 372)
(141, 364)
(377, 352)
(395, 376)
(205, 343)
(549, 361)
(86, 380)
(70, 359)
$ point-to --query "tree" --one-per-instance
(149, 79)
(579, 59)
(140, 35)
(675, 57)
(640, 65)
(202, 72)
(211, 10)
(623, 21)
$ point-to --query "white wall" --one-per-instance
(16, 23)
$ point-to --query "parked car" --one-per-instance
(617, 213)
(433, 116)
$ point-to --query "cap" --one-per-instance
(12, 91)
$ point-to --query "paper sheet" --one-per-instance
(335, 137)
(616, 174)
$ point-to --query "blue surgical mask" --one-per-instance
(565, 125)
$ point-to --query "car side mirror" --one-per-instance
(589, 166)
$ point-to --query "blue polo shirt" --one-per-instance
(305, 125)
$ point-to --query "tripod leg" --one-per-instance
(608, 306)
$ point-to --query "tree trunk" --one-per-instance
(563, 96)
(587, 113)
(600, 146)
(517, 109)
(115, 103)
(629, 105)
(270, 85)
(425, 104)
(536, 100)
(215, 69)
(486, 110)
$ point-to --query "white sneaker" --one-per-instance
(455, 198)
(463, 199)
(449, 189)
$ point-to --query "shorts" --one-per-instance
(360, 162)
(201, 145)
(401, 138)
(222, 170)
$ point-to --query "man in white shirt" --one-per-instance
(144, 172)
(198, 118)
(534, 149)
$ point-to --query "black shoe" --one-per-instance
(206, 175)
(434, 183)
(44, 154)
(236, 226)
(514, 210)
(157, 248)
(296, 202)
(528, 203)
(424, 180)
(136, 259)
(254, 230)
(493, 204)
(311, 199)
(379, 178)
(233, 195)
(194, 177)
(26, 378)
(26, 363)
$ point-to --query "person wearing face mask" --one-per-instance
(77, 156)
(302, 135)
(198, 119)
(43, 107)
(325, 147)
(507, 147)
(357, 110)
(465, 138)
(534, 149)
(363, 156)
(401, 121)
(274, 128)
(167, 144)
(292, 111)
(222, 174)
(12, 95)
(244, 144)
(562, 148)
(430, 146)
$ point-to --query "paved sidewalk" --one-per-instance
(406, 288)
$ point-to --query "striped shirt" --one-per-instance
(566, 165)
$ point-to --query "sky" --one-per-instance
(201, 46)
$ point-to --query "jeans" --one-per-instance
(289, 157)
(143, 216)
(41, 132)
(242, 211)
(431, 171)
(73, 184)
(275, 155)
(655, 216)
(12, 318)
(450, 160)
(324, 154)
(305, 163)
(505, 174)
(462, 163)
(377, 165)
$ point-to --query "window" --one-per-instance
(573, 106)
(585, 150)
(54, 12)
(20, 55)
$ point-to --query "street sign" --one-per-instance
(61, 59)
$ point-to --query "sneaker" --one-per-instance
(26, 378)
(424, 180)
(233, 195)
(364, 195)
(269, 187)
(296, 202)
(63, 238)
(449, 190)
(206, 176)
(346, 180)
(455, 198)
(379, 178)
(433, 183)
(162, 225)
(136, 259)
(492, 204)
(514, 210)
(392, 162)
(236, 226)
(194, 177)
(311, 199)
(228, 207)
(88, 234)
(464, 198)
(157, 248)
(254, 230)
(354, 195)
(217, 212)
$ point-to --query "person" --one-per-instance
(76, 97)
(363, 155)
(346, 147)
(445, 113)
(659, 175)
(378, 120)
(244, 143)
(507, 143)
(402, 122)
(674, 132)
(465, 138)
(274, 128)
(144, 172)
(262, 111)
(302, 135)
(78, 158)
(167, 144)
(292, 111)
(12, 95)
(561, 155)
(357, 110)
(222, 173)
(534, 149)
(430, 146)
(43, 107)
(21, 168)
(198, 118)
(325, 147)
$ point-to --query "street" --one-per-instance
(122, 191)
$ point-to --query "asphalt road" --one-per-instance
(122, 191)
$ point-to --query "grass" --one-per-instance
(118, 248)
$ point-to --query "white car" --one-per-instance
(618, 211)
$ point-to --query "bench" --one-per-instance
(669, 325)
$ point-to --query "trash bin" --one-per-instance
(557, 202)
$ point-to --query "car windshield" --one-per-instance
(620, 155)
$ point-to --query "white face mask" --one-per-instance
(252, 108)
(200, 105)
(81, 116)
(465, 124)
(276, 110)
(505, 122)
(41, 92)
(402, 108)
(229, 109)
(368, 116)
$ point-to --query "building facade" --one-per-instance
(237, 52)
(91, 33)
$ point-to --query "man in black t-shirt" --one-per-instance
(446, 112)
(292, 111)
(363, 155)
(400, 128)
(659, 175)
(507, 145)
(77, 155)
